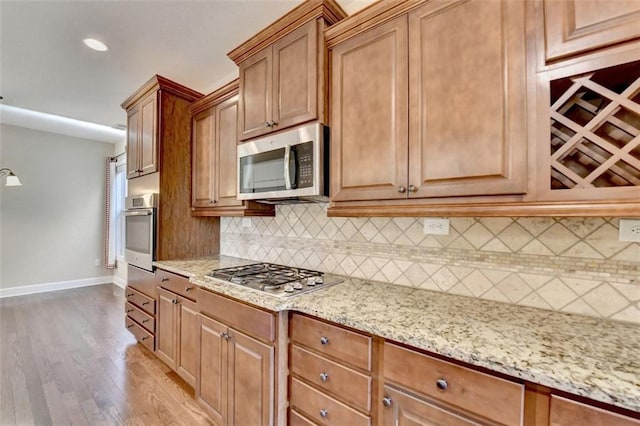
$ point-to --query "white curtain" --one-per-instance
(110, 214)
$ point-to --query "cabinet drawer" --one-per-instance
(176, 283)
(335, 341)
(323, 409)
(256, 322)
(564, 412)
(142, 335)
(345, 383)
(143, 281)
(144, 319)
(145, 303)
(297, 419)
(462, 387)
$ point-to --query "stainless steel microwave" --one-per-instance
(288, 166)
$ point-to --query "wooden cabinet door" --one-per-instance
(575, 26)
(403, 409)
(148, 143)
(295, 76)
(226, 165)
(467, 99)
(133, 141)
(251, 381)
(212, 377)
(564, 412)
(187, 360)
(255, 104)
(166, 328)
(369, 124)
(203, 157)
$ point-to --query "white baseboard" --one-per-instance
(119, 281)
(54, 286)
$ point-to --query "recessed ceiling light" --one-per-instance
(94, 44)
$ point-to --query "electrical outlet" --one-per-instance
(436, 226)
(96, 262)
(246, 222)
(629, 230)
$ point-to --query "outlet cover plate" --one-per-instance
(629, 230)
(436, 226)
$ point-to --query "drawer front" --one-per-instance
(176, 283)
(297, 419)
(564, 412)
(143, 281)
(322, 409)
(459, 386)
(332, 340)
(253, 321)
(346, 384)
(141, 317)
(143, 302)
(142, 335)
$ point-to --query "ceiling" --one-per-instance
(45, 67)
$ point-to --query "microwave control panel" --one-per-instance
(304, 153)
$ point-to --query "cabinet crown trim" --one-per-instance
(158, 82)
(367, 18)
(212, 99)
(309, 10)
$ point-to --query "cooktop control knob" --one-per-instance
(311, 281)
(319, 280)
(288, 288)
(297, 285)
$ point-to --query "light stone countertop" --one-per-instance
(591, 357)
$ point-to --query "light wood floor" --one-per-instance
(66, 358)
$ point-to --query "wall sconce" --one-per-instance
(12, 179)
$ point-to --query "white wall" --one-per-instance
(51, 228)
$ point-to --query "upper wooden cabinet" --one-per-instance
(418, 114)
(283, 70)
(214, 157)
(143, 111)
(577, 26)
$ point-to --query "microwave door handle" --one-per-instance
(287, 177)
(293, 168)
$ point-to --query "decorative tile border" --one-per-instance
(565, 264)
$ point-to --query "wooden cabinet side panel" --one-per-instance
(148, 135)
(187, 361)
(255, 105)
(211, 377)
(369, 110)
(176, 225)
(575, 26)
(295, 69)
(203, 157)
(227, 152)
(251, 384)
(133, 141)
(467, 99)
(166, 328)
(564, 412)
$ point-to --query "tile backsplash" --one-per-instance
(565, 264)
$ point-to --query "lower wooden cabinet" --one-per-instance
(235, 382)
(565, 412)
(176, 334)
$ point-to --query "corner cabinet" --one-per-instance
(283, 71)
(420, 111)
(214, 157)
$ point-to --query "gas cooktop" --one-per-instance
(277, 280)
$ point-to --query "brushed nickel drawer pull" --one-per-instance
(163, 280)
(130, 294)
(324, 377)
(188, 288)
(130, 325)
(387, 401)
(129, 310)
(442, 384)
(145, 303)
(324, 340)
(145, 320)
(145, 338)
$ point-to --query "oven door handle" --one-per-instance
(137, 213)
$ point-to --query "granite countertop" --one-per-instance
(591, 357)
